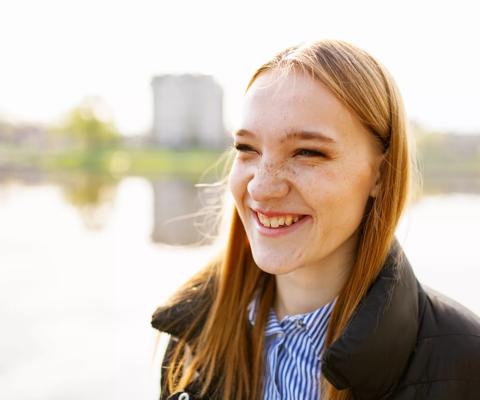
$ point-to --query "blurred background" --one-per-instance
(112, 111)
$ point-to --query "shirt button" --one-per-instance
(300, 324)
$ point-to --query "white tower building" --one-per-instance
(188, 111)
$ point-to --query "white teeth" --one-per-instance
(275, 222)
(264, 220)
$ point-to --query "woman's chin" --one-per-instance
(278, 267)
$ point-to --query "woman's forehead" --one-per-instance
(292, 105)
(278, 85)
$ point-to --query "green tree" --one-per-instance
(90, 126)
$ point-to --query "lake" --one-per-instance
(81, 278)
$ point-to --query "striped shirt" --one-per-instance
(293, 349)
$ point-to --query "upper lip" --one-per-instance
(270, 213)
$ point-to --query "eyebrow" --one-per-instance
(290, 135)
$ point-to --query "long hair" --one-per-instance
(227, 354)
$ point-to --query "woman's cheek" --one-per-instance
(238, 180)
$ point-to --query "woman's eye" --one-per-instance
(309, 153)
(243, 147)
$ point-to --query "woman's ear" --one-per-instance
(378, 176)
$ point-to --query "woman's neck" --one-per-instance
(311, 287)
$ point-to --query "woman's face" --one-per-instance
(302, 156)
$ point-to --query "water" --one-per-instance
(76, 297)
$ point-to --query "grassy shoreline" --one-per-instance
(116, 161)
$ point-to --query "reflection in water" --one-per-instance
(24, 175)
(183, 213)
(174, 198)
(92, 195)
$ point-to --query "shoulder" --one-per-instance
(443, 316)
(450, 332)
(447, 352)
(187, 309)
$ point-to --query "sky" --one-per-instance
(53, 53)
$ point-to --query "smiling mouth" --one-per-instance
(278, 222)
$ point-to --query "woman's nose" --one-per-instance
(268, 183)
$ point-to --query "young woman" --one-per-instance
(312, 296)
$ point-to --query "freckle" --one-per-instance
(276, 169)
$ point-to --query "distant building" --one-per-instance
(187, 111)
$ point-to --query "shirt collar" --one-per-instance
(314, 323)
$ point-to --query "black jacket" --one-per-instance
(404, 342)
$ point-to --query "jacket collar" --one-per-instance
(175, 318)
(373, 351)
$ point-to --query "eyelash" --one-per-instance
(313, 153)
